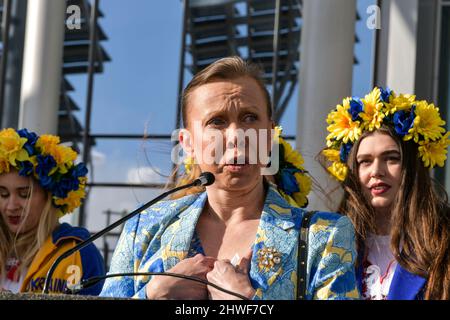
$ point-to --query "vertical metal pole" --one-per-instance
(90, 86)
(181, 62)
(42, 66)
(276, 30)
(12, 81)
(5, 36)
(180, 78)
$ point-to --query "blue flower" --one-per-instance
(47, 182)
(288, 183)
(345, 151)
(79, 170)
(356, 107)
(31, 140)
(385, 94)
(25, 168)
(403, 121)
(64, 186)
(44, 166)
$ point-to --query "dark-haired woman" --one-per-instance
(382, 148)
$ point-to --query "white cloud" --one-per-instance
(145, 175)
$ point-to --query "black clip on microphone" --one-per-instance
(205, 179)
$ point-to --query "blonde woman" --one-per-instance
(240, 233)
(39, 182)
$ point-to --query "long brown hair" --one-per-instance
(229, 68)
(419, 219)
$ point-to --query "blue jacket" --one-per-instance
(159, 238)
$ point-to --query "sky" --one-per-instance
(137, 93)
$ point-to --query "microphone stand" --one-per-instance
(94, 237)
(94, 280)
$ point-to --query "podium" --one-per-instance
(4, 295)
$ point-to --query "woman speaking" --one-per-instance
(242, 232)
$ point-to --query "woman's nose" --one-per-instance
(377, 169)
(235, 137)
(13, 203)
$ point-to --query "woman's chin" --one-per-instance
(238, 182)
(381, 203)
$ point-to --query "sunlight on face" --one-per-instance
(16, 198)
(379, 170)
(225, 119)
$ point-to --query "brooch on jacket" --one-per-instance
(268, 258)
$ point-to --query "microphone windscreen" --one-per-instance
(206, 179)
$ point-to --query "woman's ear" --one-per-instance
(184, 136)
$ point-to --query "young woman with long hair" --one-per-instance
(382, 148)
(39, 183)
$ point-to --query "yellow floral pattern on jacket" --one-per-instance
(159, 238)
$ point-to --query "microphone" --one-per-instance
(205, 179)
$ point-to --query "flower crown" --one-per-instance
(49, 162)
(411, 119)
(291, 179)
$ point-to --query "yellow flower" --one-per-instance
(434, 153)
(401, 102)
(373, 110)
(73, 199)
(189, 162)
(4, 165)
(331, 154)
(339, 170)
(64, 157)
(11, 147)
(427, 123)
(341, 125)
(47, 143)
(278, 131)
(291, 155)
(304, 184)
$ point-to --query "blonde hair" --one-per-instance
(25, 246)
(229, 68)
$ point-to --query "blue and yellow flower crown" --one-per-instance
(49, 162)
(292, 180)
(412, 120)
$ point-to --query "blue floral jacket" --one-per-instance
(159, 238)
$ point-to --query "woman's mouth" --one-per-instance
(14, 220)
(236, 167)
(379, 189)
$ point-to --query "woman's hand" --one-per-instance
(164, 287)
(231, 278)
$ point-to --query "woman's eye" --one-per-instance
(393, 159)
(364, 162)
(215, 122)
(4, 195)
(24, 195)
(250, 118)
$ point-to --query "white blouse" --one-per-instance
(379, 267)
